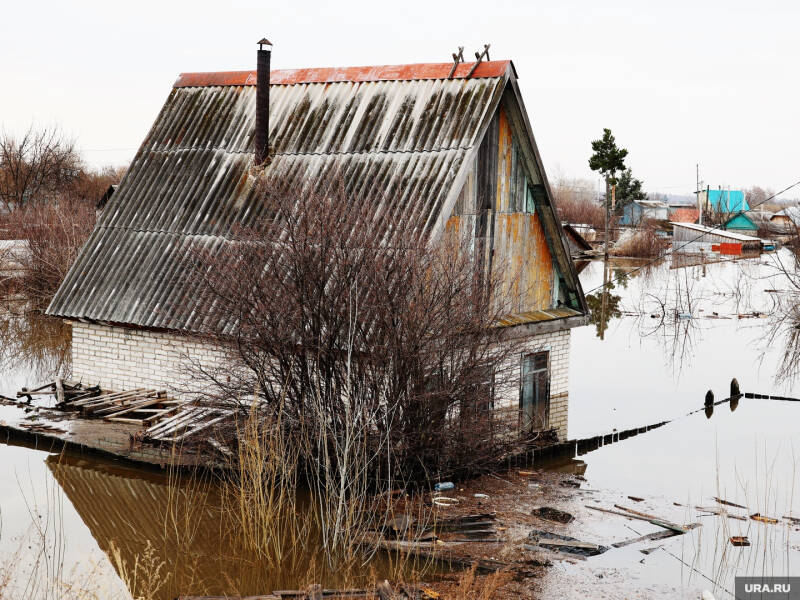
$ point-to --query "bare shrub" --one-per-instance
(643, 243)
(54, 233)
(377, 351)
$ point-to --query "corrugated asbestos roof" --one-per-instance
(191, 180)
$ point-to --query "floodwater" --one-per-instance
(674, 331)
(103, 527)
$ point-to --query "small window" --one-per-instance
(535, 391)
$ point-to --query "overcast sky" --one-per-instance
(677, 82)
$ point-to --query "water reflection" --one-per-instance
(149, 522)
(603, 305)
(33, 342)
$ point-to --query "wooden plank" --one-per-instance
(59, 391)
(728, 503)
(38, 390)
(132, 407)
(109, 396)
(125, 420)
(182, 415)
(93, 406)
(90, 394)
(166, 422)
(200, 427)
(655, 519)
(663, 524)
(159, 414)
(566, 543)
(658, 535)
(173, 426)
(715, 510)
(220, 447)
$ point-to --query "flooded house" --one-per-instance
(723, 201)
(643, 210)
(787, 220)
(742, 223)
(450, 144)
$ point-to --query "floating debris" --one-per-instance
(762, 519)
(740, 540)
(632, 514)
(564, 543)
(553, 514)
(792, 520)
(728, 503)
(658, 535)
(721, 512)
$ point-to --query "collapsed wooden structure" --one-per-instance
(163, 418)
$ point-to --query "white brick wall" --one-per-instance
(557, 344)
(119, 358)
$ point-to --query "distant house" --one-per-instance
(723, 201)
(690, 237)
(742, 223)
(685, 215)
(641, 210)
(787, 219)
(452, 149)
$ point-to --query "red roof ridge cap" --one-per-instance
(486, 69)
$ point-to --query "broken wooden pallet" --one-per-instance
(140, 406)
(188, 421)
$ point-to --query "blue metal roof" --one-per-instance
(728, 201)
(741, 221)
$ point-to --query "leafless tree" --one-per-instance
(330, 308)
(54, 233)
(36, 166)
(578, 202)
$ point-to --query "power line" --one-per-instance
(647, 264)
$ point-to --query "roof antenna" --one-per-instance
(479, 56)
(457, 58)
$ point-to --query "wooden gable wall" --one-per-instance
(499, 214)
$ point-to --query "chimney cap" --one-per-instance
(264, 42)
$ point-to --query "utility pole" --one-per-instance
(606, 199)
(697, 193)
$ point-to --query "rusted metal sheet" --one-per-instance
(191, 181)
(491, 69)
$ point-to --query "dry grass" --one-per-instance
(577, 209)
(644, 243)
(471, 586)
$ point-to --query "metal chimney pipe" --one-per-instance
(262, 101)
